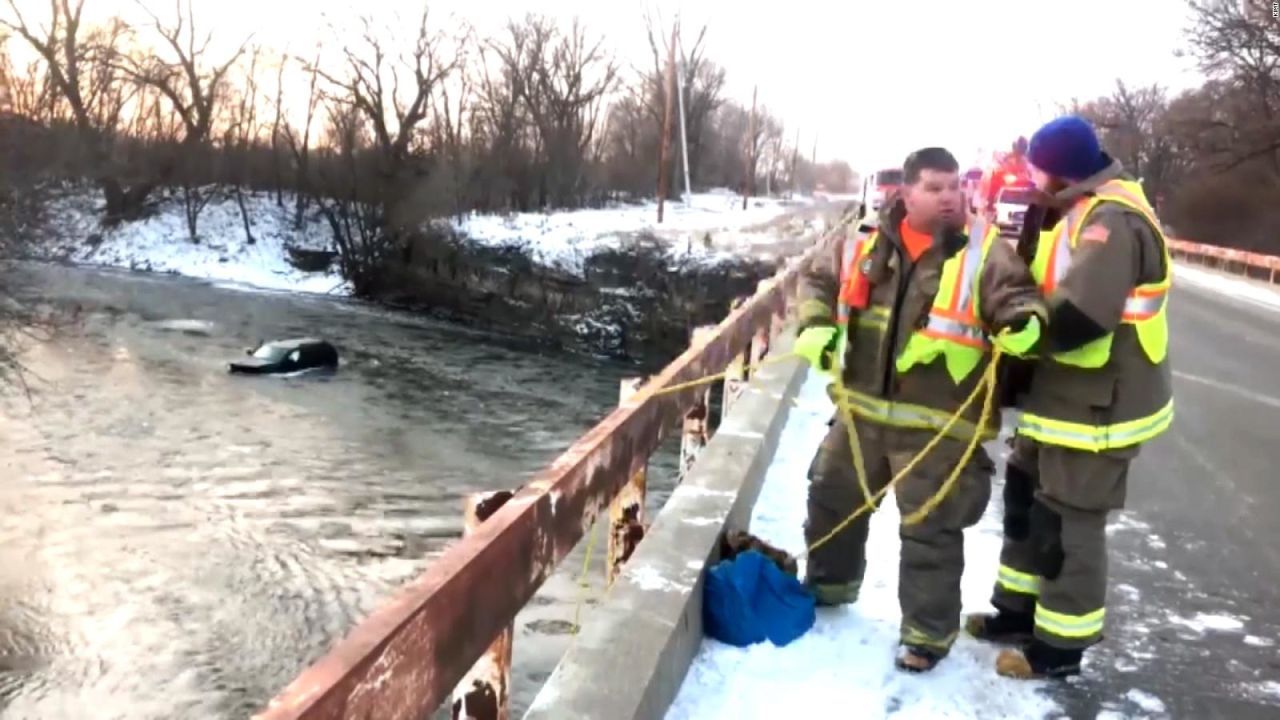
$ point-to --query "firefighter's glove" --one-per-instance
(818, 345)
(1020, 342)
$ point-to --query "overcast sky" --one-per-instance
(872, 79)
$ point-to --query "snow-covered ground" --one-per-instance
(161, 243)
(844, 665)
(711, 228)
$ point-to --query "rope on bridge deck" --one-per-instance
(986, 387)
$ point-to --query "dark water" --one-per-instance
(176, 542)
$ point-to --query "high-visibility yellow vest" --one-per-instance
(954, 329)
(1145, 309)
(1145, 306)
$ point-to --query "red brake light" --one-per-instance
(1010, 177)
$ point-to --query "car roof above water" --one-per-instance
(294, 342)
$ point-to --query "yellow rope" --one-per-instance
(721, 375)
(987, 383)
(843, 406)
(842, 394)
(583, 583)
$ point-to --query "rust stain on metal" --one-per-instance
(483, 693)
(695, 420)
(625, 533)
(404, 659)
(627, 507)
(486, 507)
(480, 703)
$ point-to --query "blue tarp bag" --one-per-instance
(750, 599)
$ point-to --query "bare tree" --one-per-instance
(276, 125)
(501, 122)
(1240, 42)
(192, 88)
(370, 88)
(560, 80)
(81, 71)
(448, 129)
(241, 132)
(1131, 125)
(300, 147)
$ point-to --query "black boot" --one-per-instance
(1039, 660)
(1004, 627)
(917, 658)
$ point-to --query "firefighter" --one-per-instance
(919, 300)
(1099, 389)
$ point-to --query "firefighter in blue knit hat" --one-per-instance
(1099, 389)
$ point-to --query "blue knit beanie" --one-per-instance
(1068, 148)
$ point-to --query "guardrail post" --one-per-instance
(777, 321)
(484, 692)
(759, 347)
(695, 420)
(626, 510)
(735, 377)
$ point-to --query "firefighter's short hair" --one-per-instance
(930, 158)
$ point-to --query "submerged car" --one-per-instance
(287, 356)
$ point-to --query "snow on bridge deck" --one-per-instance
(1163, 621)
(846, 660)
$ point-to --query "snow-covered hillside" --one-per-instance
(161, 243)
(711, 228)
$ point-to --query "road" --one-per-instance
(1194, 616)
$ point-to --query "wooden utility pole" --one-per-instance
(664, 152)
(749, 179)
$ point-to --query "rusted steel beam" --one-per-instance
(485, 691)
(403, 660)
(626, 511)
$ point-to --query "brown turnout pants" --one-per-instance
(932, 557)
(1054, 558)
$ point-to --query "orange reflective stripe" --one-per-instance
(852, 253)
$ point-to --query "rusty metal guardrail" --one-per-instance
(404, 659)
(1250, 264)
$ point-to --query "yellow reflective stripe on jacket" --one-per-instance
(914, 636)
(876, 316)
(909, 415)
(1018, 581)
(1070, 626)
(1095, 438)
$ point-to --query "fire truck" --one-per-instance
(1005, 189)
